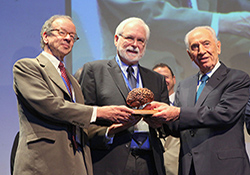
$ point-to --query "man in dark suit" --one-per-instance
(106, 82)
(210, 124)
(52, 115)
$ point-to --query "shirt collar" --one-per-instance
(124, 66)
(209, 74)
(171, 98)
(53, 60)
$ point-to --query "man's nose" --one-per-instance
(135, 42)
(202, 49)
(68, 37)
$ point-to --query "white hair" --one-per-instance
(120, 27)
(200, 27)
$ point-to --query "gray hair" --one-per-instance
(47, 26)
(120, 27)
(200, 27)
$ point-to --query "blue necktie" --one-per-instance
(204, 78)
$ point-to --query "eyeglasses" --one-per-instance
(131, 40)
(64, 33)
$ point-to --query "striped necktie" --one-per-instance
(65, 77)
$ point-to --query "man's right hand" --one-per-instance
(116, 114)
(165, 112)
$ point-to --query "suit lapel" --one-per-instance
(117, 76)
(192, 90)
(218, 76)
(52, 72)
(145, 78)
(76, 88)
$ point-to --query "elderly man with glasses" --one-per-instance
(53, 118)
(132, 147)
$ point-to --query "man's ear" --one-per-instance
(190, 55)
(174, 80)
(45, 37)
(116, 40)
(218, 47)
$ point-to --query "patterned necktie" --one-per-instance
(131, 78)
(204, 78)
(68, 86)
(65, 77)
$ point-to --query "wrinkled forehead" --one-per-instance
(200, 34)
(65, 24)
(134, 28)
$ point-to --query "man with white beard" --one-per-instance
(115, 148)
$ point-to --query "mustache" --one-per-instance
(133, 49)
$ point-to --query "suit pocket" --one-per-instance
(230, 154)
(38, 136)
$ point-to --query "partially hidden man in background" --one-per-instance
(171, 144)
(132, 147)
(53, 119)
(210, 107)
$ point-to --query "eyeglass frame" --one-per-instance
(65, 33)
(131, 40)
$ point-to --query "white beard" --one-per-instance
(130, 56)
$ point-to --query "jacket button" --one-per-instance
(192, 133)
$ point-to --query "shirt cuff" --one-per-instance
(94, 113)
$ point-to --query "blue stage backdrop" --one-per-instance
(21, 23)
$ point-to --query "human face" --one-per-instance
(170, 80)
(58, 45)
(131, 43)
(203, 49)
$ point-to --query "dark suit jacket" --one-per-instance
(102, 83)
(247, 115)
(46, 116)
(211, 130)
